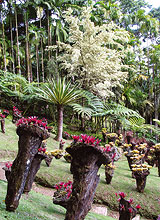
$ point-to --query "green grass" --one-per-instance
(36, 206)
(105, 194)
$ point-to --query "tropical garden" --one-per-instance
(79, 108)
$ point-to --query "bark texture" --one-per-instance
(30, 139)
(33, 171)
(2, 125)
(141, 180)
(109, 172)
(86, 161)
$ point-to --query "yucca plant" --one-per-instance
(60, 93)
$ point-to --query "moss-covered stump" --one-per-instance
(35, 166)
(2, 125)
(30, 139)
(141, 180)
(126, 211)
(86, 161)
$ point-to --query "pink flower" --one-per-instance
(116, 194)
(122, 194)
(107, 148)
(138, 206)
(8, 164)
(130, 210)
(130, 201)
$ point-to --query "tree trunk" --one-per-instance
(18, 56)
(27, 48)
(12, 50)
(37, 62)
(4, 47)
(60, 122)
(30, 139)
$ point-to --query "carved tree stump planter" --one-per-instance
(35, 166)
(141, 180)
(2, 125)
(126, 211)
(109, 172)
(86, 161)
(30, 139)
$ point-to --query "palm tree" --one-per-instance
(61, 93)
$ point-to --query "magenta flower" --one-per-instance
(8, 164)
(130, 201)
(130, 210)
(75, 138)
(122, 195)
(138, 206)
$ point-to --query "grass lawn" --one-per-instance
(105, 194)
(36, 206)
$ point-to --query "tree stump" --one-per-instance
(2, 125)
(126, 211)
(141, 180)
(33, 171)
(86, 161)
(30, 139)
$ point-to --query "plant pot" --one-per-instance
(86, 161)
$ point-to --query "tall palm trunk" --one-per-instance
(27, 48)
(49, 33)
(4, 47)
(42, 57)
(18, 56)
(60, 122)
(37, 61)
(12, 50)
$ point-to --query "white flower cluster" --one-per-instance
(94, 54)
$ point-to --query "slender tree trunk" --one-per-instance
(18, 56)
(37, 61)
(49, 33)
(27, 47)
(12, 50)
(4, 47)
(42, 57)
(60, 122)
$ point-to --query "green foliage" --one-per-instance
(59, 92)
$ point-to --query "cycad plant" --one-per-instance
(61, 93)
